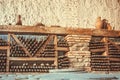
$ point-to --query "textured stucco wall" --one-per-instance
(70, 13)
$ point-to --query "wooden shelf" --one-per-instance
(62, 49)
(114, 59)
(31, 59)
(4, 29)
(4, 47)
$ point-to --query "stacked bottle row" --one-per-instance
(99, 62)
(62, 42)
(115, 65)
(97, 45)
(3, 42)
(31, 66)
(16, 50)
(114, 39)
(105, 60)
(49, 51)
(114, 55)
(96, 39)
(3, 60)
(63, 62)
(32, 44)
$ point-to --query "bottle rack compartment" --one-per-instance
(14, 59)
(109, 58)
(31, 66)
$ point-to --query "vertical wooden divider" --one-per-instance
(56, 52)
(107, 52)
(8, 53)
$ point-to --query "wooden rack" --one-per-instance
(31, 52)
(105, 53)
(40, 48)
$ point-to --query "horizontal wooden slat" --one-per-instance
(32, 58)
(4, 47)
(62, 49)
(114, 59)
(56, 30)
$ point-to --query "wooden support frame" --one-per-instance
(16, 39)
(54, 31)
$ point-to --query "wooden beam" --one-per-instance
(62, 49)
(56, 30)
(114, 59)
(8, 54)
(32, 58)
(16, 39)
(4, 47)
(56, 52)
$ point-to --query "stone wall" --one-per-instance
(79, 54)
(66, 13)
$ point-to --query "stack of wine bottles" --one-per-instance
(49, 51)
(63, 62)
(3, 42)
(43, 45)
(114, 54)
(32, 44)
(97, 45)
(102, 60)
(3, 60)
(31, 66)
(62, 43)
(16, 50)
(99, 62)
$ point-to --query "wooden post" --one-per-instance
(107, 52)
(56, 52)
(8, 54)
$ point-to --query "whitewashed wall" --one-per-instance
(66, 13)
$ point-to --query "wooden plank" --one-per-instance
(56, 52)
(56, 30)
(32, 58)
(4, 47)
(16, 39)
(114, 59)
(8, 54)
(62, 49)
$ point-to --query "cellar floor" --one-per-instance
(61, 76)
